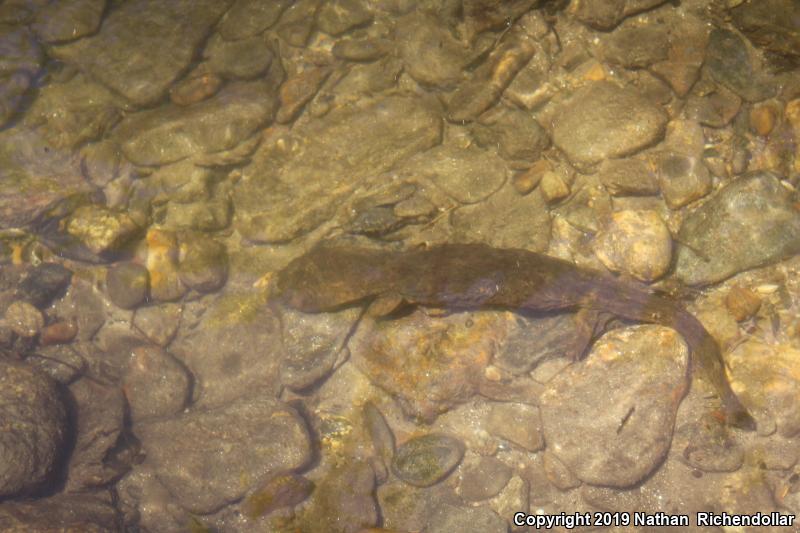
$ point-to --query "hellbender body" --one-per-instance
(464, 276)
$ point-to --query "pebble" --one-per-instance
(762, 119)
(12, 91)
(682, 179)
(638, 243)
(61, 332)
(298, 90)
(706, 445)
(554, 187)
(526, 181)
(162, 266)
(155, 384)
(24, 319)
(198, 85)
(742, 302)
(426, 460)
(359, 49)
(101, 230)
(126, 284)
(100, 162)
(33, 428)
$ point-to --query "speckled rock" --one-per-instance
(398, 355)
(101, 230)
(618, 433)
(24, 319)
(755, 212)
(470, 174)
(164, 36)
(253, 438)
(312, 345)
(604, 121)
(635, 242)
(34, 426)
(155, 384)
(426, 460)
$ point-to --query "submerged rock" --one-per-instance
(144, 45)
(756, 212)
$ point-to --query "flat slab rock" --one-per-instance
(284, 195)
(168, 134)
(610, 419)
(208, 459)
(144, 45)
(603, 120)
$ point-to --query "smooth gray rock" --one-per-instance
(750, 222)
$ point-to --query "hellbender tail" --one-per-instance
(637, 303)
